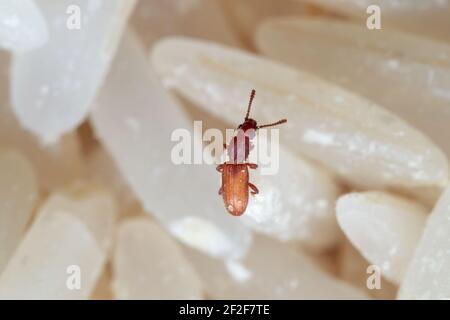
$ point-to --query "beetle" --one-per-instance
(235, 176)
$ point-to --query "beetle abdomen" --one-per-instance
(235, 188)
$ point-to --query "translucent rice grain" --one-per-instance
(69, 240)
(22, 26)
(295, 204)
(428, 275)
(56, 165)
(149, 264)
(385, 229)
(54, 86)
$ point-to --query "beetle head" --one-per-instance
(249, 127)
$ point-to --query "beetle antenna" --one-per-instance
(272, 124)
(252, 95)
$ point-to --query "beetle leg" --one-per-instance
(220, 191)
(254, 188)
(252, 165)
(219, 167)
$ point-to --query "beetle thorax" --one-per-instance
(239, 148)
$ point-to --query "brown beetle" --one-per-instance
(235, 176)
